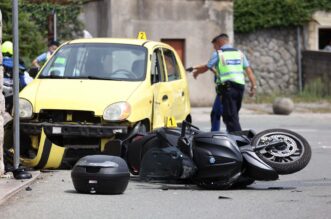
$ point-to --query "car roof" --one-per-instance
(130, 41)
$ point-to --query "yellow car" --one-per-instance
(93, 92)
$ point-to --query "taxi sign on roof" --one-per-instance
(142, 36)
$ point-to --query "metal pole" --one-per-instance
(2, 165)
(54, 25)
(18, 172)
(299, 58)
(16, 85)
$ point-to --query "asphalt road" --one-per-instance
(306, 194)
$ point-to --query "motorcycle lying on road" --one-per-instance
(216, 160)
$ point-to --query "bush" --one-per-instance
(250, 15)
(30, 40)
(33, 24)
(316, 89)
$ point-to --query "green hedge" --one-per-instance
(250, 15)
(33, 25)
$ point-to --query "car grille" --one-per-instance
(68, 116)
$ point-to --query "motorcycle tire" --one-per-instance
(292, 159)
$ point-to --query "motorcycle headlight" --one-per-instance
(117, 111)
(25, 109)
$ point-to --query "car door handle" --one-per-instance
(165, 98)
(183, 93)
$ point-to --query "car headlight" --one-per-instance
(25, 109)
(117, 111)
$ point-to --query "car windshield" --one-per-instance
(98, 61)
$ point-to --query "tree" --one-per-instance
(33, 24)
(250, 15)
(31, 41)
(69, 25)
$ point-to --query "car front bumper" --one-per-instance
(72, 130)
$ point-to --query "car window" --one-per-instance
(98, 61)
(157, 74)
(171, 65)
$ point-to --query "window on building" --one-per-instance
(324, 36)
(178, 45)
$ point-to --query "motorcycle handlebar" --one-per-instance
(186, 124)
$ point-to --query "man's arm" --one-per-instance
(40, 58)
(204, 68)
(35, 63)
(251, 77)
(199, 70)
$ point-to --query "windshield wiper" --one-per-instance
(96, 77)
(55, 77)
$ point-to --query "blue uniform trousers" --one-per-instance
(216, 113)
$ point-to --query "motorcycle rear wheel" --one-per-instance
(290, 159)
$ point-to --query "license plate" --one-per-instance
(57, 130)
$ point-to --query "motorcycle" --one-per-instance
(8, 84)
(215, 160)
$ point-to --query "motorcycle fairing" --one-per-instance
(256, 168)
(137, 149)
(216, 156)
(166, 163)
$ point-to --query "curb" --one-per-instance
(10, 187)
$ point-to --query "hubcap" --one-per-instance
(289, 148)
(290, 151)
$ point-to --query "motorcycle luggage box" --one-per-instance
(100, 174)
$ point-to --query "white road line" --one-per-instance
(325, 147)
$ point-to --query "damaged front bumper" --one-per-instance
(72, 130)
(50, 155)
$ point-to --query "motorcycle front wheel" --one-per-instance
(291, 157)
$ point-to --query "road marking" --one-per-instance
(305, 130)
(325, 147)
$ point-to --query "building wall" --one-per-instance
(272, 54)
(196, 21)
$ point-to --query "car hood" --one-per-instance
(76, 94)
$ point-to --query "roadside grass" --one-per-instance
(315, 91)
(297, 98)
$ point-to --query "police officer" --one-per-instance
(230, 64)
(52, 46)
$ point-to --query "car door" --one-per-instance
(178, 85)
(163, 99)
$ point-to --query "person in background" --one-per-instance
(216, 112)
(230, 64)
(8, 64)
(52, 46)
